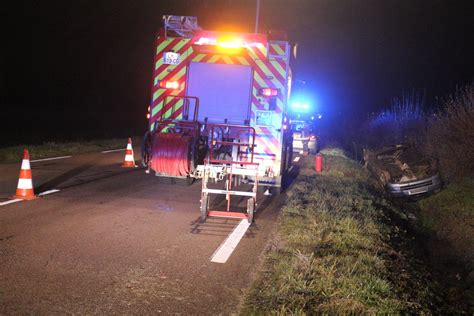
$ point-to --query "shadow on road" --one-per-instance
(57, 181)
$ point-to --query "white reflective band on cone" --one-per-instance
(129, 146)
(25, 164)
(25, 184)
(128, 158)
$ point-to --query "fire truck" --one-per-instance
(218, 111)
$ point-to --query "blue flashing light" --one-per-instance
(300, 107)
(320, 116)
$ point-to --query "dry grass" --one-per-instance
(403, 121)
(450, 135)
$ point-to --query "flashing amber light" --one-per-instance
(228, 45)
(169, 84)
(269, 92)
(225, 42)
(234, 43)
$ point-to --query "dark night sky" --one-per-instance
(83, 68)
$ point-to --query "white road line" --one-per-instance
(228, 246)
(111, 151)
(296, 159)
(54, 158)
(10, 202)
(49, 192)
(18, 200)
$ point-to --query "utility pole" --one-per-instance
(256, 16)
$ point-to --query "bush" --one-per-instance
(450, 135)
(402, 122)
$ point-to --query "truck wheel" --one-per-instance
(250, 209)
(204, 207)
(146, 149)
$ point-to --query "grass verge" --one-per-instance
(53, 149)
(450, 215)
(337, 252)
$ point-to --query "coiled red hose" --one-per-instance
(171, 154)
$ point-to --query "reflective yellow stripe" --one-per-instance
(262, 48)
(199, 57)
(180, 45)
(259, 79)
(242, 60)
(278, 49)
(275, 81)
(158, 63)
(213, 59)
(163, 44)
(175, 107)
(156, 108)
(157, 94)
(278, 68)
(180, 73)
(165, 72)
(227, 60)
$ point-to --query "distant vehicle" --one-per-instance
(304, 138)
(403, 171)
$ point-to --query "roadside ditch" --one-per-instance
(342, 247)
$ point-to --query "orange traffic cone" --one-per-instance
(129, 160)
(24, 189)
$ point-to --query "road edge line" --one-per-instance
(53, 158)
(111, 151)
(225, 250)
(10, 202)
(48, 192)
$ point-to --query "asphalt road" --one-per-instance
(118, 241)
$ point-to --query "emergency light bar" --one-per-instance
(226, 42)
(269, 92)
(169, 84)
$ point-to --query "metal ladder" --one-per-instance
(183, 26)
(228, 171)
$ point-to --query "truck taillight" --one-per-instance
(269, 92)
(169, 84)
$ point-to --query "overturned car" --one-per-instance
(402, 170)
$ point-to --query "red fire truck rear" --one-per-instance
(218, 111)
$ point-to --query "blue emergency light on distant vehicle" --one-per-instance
(300, 107)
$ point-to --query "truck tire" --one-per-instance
(146, 150)
(204, 207)
(250, 209)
